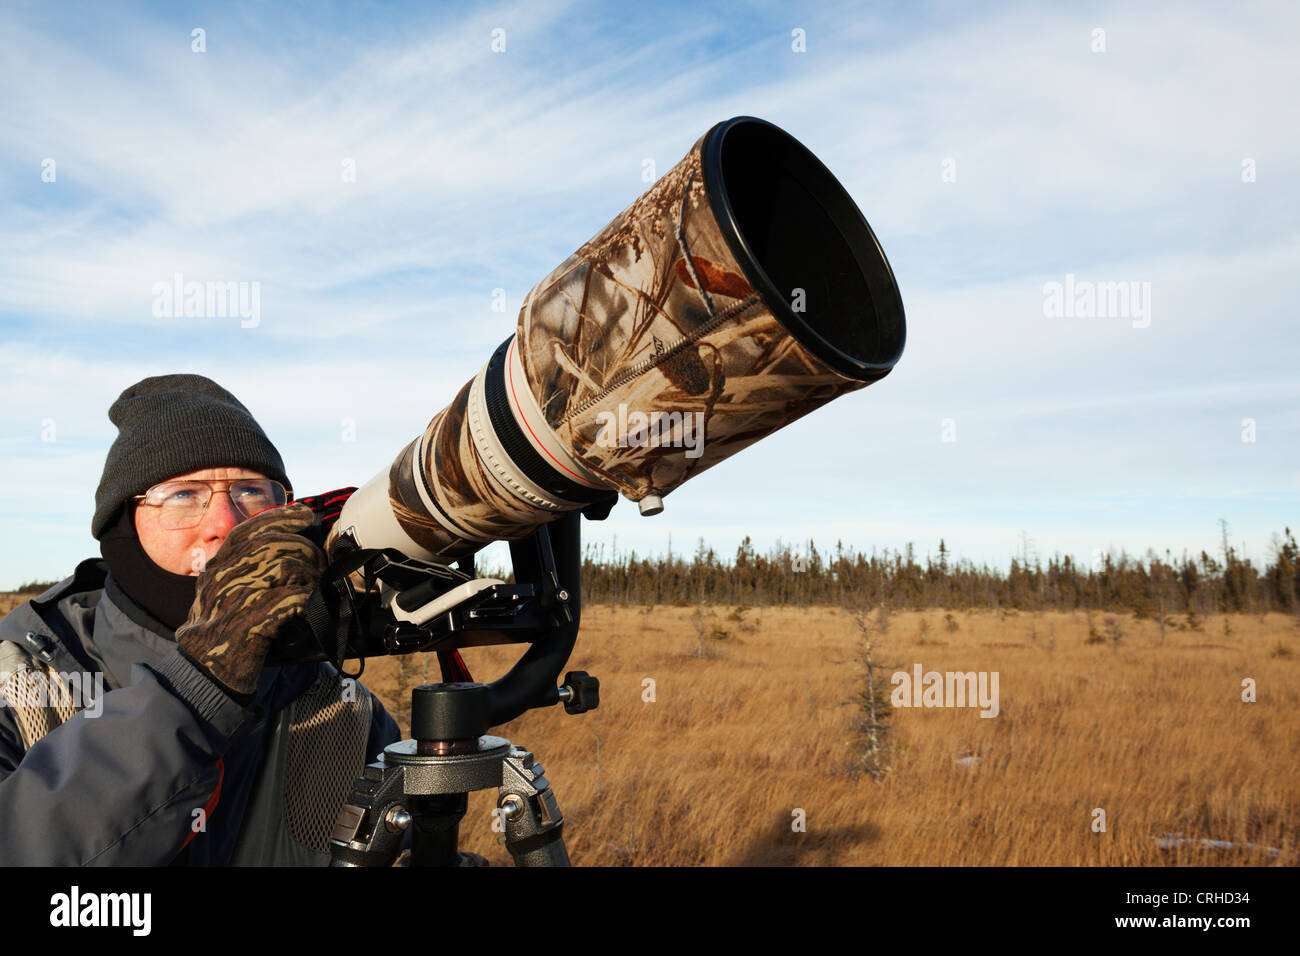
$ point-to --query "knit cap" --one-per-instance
(169, 425)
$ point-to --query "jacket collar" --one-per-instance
(125, 635)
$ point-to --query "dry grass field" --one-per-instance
(739, 739)
(11, 599)
(735, 742)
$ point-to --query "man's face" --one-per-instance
(188, 550)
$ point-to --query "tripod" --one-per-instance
(421, 785)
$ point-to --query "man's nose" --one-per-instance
(221, 516)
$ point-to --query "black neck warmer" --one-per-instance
(165, 595)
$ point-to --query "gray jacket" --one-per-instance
(116, 750)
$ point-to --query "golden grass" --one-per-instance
(11, 599)
(715, 768)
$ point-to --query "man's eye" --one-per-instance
(179, 497)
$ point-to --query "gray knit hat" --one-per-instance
(172, 424)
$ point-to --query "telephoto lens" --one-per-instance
(742, 291)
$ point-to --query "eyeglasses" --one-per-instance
(182, 504)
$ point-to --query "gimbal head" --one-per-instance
(421, 784)
(378, 603)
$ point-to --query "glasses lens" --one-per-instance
(257, 494)
(180, 503)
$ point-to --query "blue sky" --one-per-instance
(478, 170)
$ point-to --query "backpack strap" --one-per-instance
(89, 575)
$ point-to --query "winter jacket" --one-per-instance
(135, 757)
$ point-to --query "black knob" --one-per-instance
(584, 692)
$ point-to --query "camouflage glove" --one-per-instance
(259, 579)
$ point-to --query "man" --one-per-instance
(139, 724)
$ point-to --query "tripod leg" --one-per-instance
(533, 823)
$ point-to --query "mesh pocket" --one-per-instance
(327, 751)
(40, 701)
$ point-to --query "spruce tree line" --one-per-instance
(1150, 587)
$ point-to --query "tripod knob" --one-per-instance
(583, 692)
